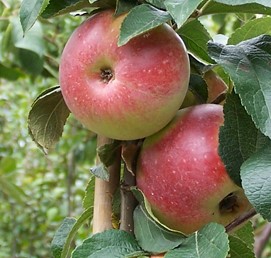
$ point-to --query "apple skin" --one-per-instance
(126, 92)
(216, 86)
(183, 177)
(157, 256)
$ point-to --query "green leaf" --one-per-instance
(240, 2)
(32, 41)
(195, 37)
(30, 47)
(7, 164)
(151, 236)
(256, 180)
(214, 8)
(29, 12)
(139, 195)
(13, 191)
(66, 233)
(239, 249)
(110, 244)
(198, 87)
(9, 73)
(47, 118)
(107, 154)
(242, 241)
(248, 64)
(56, 7)
(89, 194)
(101, 172)
(250, 30)
(157, 3)
(246, 234)
(180, 10)
(104, 4)
(30, 62)
(61, 235)
(238, 137)
(141, 19)
(5, 39)
(210, 242)
(123, 6)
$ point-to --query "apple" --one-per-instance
(182, 175)
(215, 85)
(158, 256)
(127, 92)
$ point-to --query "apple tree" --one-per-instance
(139, 80)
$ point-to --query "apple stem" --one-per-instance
(241, 219)
(128, 202)
(104, 192)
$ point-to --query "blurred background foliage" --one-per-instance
(38, 191)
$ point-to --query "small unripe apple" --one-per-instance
(215, 85)
(126, 92)
(182, 175)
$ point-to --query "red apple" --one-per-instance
(125, 92)
(157, 256)
(182, 175)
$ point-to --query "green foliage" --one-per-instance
(135, 23)
(107, 154)
(234, 148)
(239, 2)
(210, 242)
(251, 29)
(153, 237)
(47, 118)
(241, 242)
(248, 64)
(181, 10)
(256, 178)
(29, 12)
(50, 188)
(61, 244)
(35, 188)
(111, 244)
(61, 236)
(195, 37)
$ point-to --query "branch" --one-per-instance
(240, 220)
(128, 202)
(104, 191)
(262, 240)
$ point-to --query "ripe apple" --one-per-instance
(182, 175)
(126, 92)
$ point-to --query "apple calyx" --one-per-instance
(106, 74)
(229, 204)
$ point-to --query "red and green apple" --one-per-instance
(182, 175)
(123, 92)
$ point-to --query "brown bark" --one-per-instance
(128, 202)
(104, 191)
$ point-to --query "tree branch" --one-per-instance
(104, 191)
(240, 220)
(262, 240)
(128, 202)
